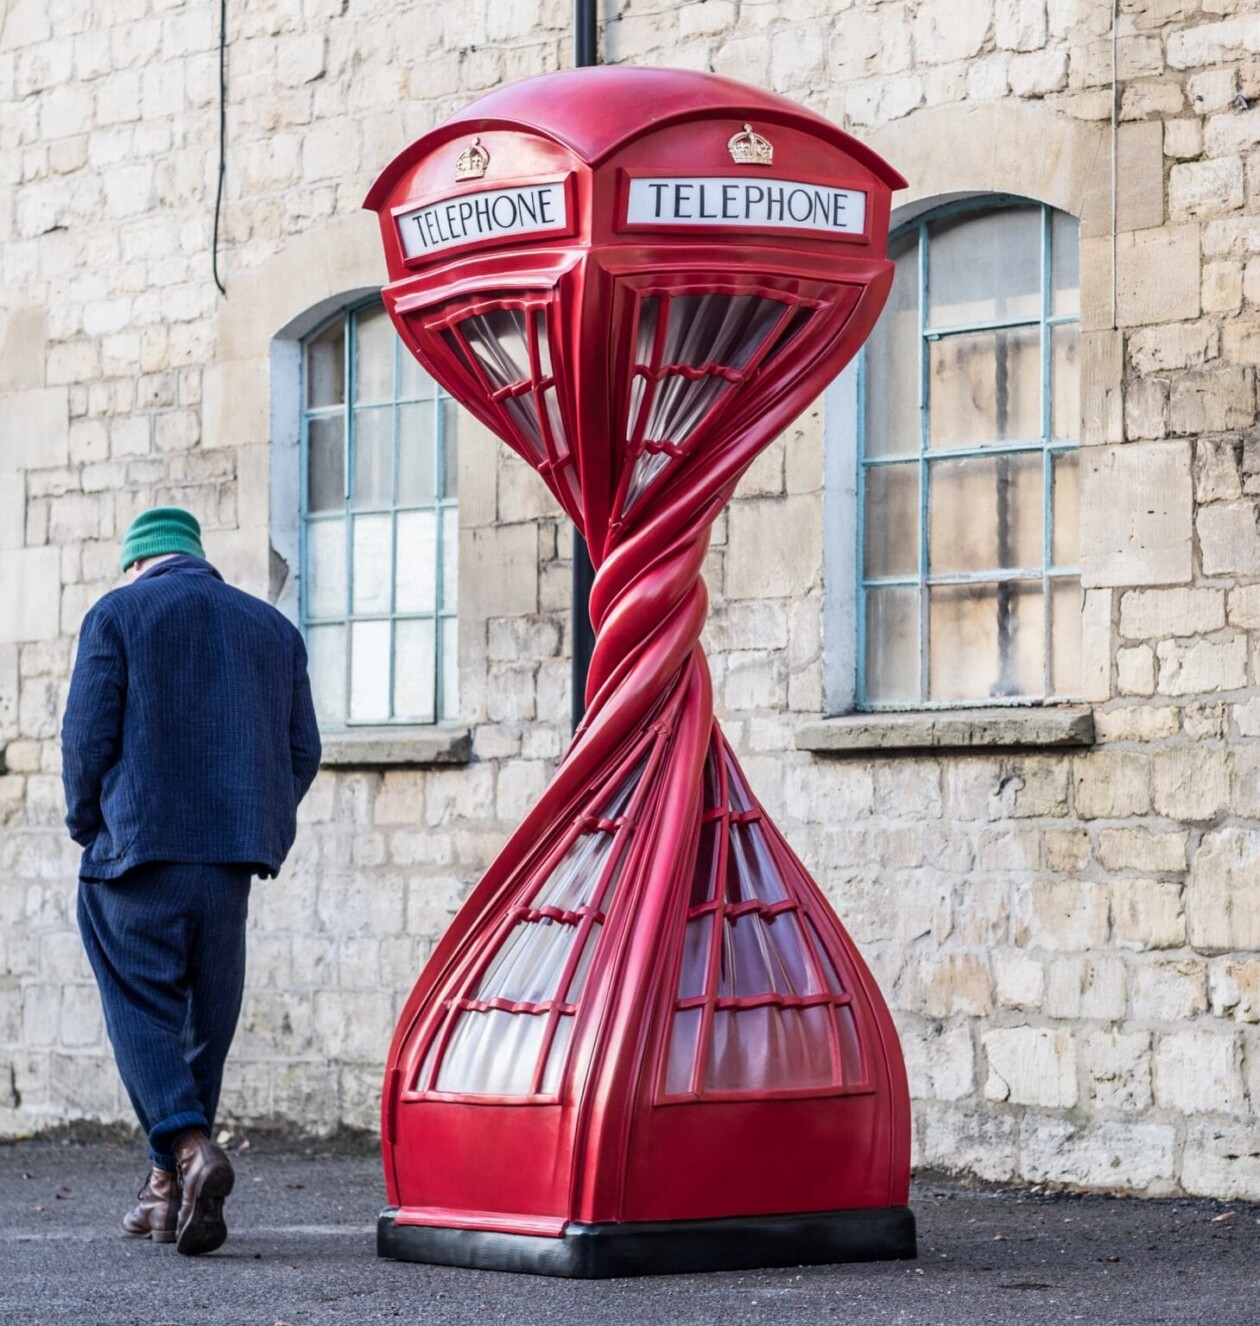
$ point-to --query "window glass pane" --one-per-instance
(985, 513)
(1067, 508)
(645, 337)
(1065, 262)
(498, 340)
(693, 976)
(892, 362)
(986, 641)
(326, 366)
(326, 654)
(984, 387)
(326, 568)
(766, 1049)
(450, 559)
(369, 672)
(417, 463)
(543, 342)
(492, 1053)
(373, 457)
(450, 667)
(414, 380)
(531, 963)
(326, 464)
(371, 563)
(556, 1055)
(577, 982)
(852, 1071)
(1065, 381)
(450, 448)
(891, 525)
(416, 571)
(1065, 637)
(374, 356)
(682, 1051)
(414, 677)
(985, 267)
(892, 645)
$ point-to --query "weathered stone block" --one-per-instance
(1198, 1071)
(1168, 991)
(763, 559)
(1112, 785)
(1030, 1066)
(1205, 188)
(1118, 1065)
(973, 1141)
(1174, 253)
(1229, 539)
(1147, 913)
(1223, 892)
(1191, 784)
(1062, 914)
(1235, 989)
(1221, 1159)
(1114, 1155)
(1135, 670)
(30, 594)
(1079, 987)
(34, 429)
(1156, 613)
(1148, 540)
(1199, 666)
(1212, 400)
(940, 1060)
(1018, 980)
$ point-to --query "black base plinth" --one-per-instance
(666, 1247)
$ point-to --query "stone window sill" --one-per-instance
(950, 730)
(396, 747)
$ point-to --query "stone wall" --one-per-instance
(1068, 940)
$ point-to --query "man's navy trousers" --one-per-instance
(167, 944)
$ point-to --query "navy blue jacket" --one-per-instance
(189, 732)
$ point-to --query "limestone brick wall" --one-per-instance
(1070, 941)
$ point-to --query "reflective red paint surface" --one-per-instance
(647, 1009)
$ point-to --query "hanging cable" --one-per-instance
(218, 193)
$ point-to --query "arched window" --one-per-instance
(968, 435)
(380, 529)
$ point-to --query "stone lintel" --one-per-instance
(952, 729)
(390, 747)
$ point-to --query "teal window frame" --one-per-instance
(1049, 447)
(444, 506)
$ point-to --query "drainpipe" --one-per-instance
(585, 53)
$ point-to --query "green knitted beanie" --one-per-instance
(165, 529)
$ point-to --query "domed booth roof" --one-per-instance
(595, 111)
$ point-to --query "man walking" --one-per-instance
(189, 739)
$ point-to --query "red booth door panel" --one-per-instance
(771, 1157)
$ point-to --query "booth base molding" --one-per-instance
(666, 1247)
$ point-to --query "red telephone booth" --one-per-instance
(646, 1043)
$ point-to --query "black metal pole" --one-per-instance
(585, 53)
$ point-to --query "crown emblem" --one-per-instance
(472, 162)
(750, 149)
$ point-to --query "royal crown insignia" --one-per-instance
(472, 162)
(750, 149)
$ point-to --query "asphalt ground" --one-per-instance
(302, 1252)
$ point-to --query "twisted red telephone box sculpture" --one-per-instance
(645, 1043)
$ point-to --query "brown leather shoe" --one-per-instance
(206, 1179)
(157, 1214)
